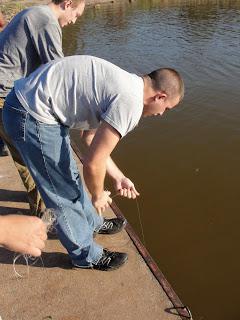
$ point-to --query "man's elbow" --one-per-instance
(89, 167)
(93, 168)
(87, 136)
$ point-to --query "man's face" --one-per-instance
(157, 105)
(71, 13)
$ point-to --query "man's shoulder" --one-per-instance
(32, 11)
(111, 69)
(38, 16)
(114, 77)
(37, 9)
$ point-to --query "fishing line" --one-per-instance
(27, 258)
(186, 308)
(49, 218)
(140, 222)
(139, 219)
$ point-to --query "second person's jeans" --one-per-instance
(46, 150)
(35, 201)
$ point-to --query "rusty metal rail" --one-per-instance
(182, 311)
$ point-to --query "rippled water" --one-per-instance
(185, 164)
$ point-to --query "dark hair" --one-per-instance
(169, 81)
(60, 1)
(57, 1)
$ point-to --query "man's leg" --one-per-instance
(47, 152)
(3, 147)
(94, 219)
(35, 201)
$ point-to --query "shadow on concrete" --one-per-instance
(172, 311)
(9, 210)
(15, 196)
(52, 235)
(49, 260)
(182, 311)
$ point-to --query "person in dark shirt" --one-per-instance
(33, 37)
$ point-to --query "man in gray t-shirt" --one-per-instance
(100, 90)
(33, 37)
(106, 103)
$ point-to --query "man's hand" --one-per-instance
(103, 202)
(2, 20)
(126, 188)
(23, 234)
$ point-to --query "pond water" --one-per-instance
(186, 163)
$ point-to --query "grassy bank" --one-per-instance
(11, 8)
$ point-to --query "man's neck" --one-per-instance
(55, 9)
(147, 89)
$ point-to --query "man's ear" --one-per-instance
(66, 4)
(160, 95)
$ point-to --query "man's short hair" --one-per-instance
(75, 2)
(169, 81)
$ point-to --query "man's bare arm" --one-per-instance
(111, 168)
(122, 184)
(95, 163)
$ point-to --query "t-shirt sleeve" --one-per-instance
(48, 43)
(123, 114)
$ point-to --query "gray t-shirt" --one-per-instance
(80, 91)
(33, 37)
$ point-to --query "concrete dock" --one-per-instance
(52, 290)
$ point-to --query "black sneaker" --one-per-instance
(111, 226)
(108, 262)
(4, 151)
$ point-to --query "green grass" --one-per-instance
(11, 8)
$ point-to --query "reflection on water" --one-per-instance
(185, 164)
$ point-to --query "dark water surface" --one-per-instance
(186, 163)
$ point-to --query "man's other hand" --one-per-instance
(102, 203)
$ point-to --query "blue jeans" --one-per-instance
(2, 144)
(48, 155)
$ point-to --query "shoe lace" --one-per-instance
(107, 225)
(106, 260)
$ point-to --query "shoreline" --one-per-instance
(10, 8)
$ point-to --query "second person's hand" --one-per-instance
(23, 234)
(102, 203)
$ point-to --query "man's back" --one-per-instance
(32, 38)
(79, 91)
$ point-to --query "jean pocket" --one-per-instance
(14, 122)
